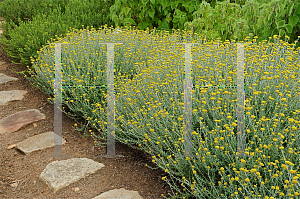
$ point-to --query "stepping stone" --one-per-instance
(119, 194)
(7, 96)
(2, 21)
(60, 174)
(4, 78)
(37, 142)
(3, 65)
(2, 62)
(16, 121)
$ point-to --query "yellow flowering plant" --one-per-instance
(149, 107)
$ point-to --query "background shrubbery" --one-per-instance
(225, 19)
(32, 23)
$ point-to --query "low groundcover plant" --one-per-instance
(149, 107)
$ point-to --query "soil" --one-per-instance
(128, 172)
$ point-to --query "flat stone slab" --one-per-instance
(2, 21)
(4, 78)
(60, 174)
(13, 95)
(3, 65)
(16, 121)
(119, 194)
(38, 142)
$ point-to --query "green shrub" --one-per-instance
(26, 39)
(91, 12)
(252, 18)
(23, 41)
(27, 9)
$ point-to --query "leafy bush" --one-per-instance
(165, 15)
(27, 9)
(90, 12)
(29, 37)
(149, 108)
(24, 40)
(263, 19)
(213, 23)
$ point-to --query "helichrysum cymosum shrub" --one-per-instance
(149, 107)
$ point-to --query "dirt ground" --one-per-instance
(23, 171)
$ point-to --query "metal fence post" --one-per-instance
(188, 101)
(110, 149)
(57, 104)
